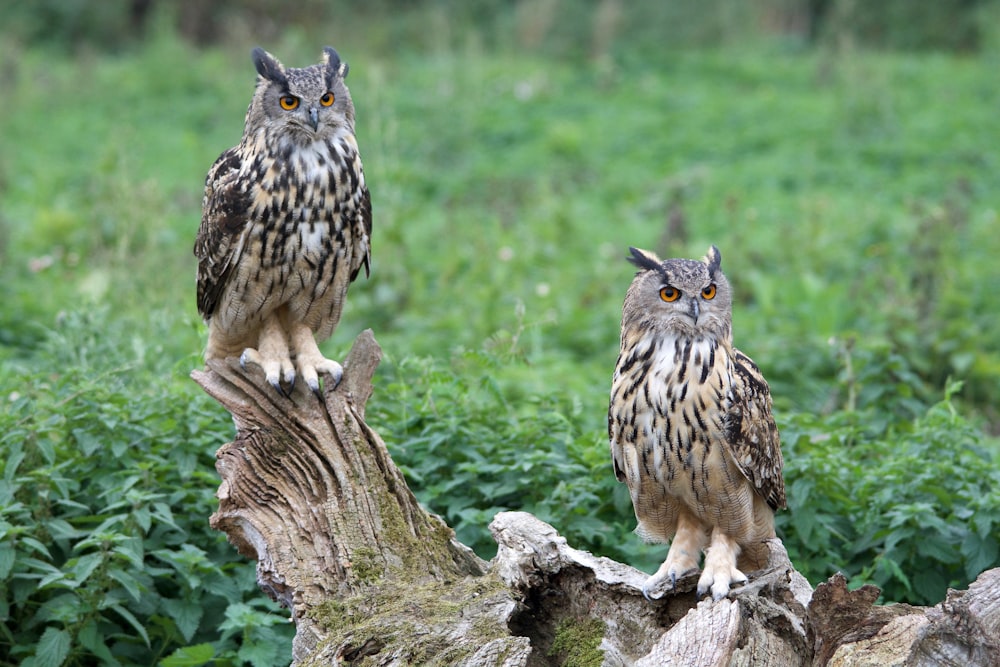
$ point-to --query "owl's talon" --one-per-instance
(277, 387)
(663, 581)
(653, 583)
(337, 374)
(317, 391)
(646, 594)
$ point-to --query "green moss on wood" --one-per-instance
(414, 616)
(577, 641)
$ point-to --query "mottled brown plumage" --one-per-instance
(286, 224)
(690, 425)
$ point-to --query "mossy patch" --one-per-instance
(421, 621)
(366, 565)
(577, 641)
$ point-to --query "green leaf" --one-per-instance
(980, 554)
(7, 553)
(128, 582)
(132, 620)
(10, 467)
(931, 585)
(131, 549)
(143, 518)
(163, 515)
(260, 653)
(81, 568)
(66, 608)
(62, 530)
(87, 442)
(190, 656)
(53, 648)
(56, 576)
(186, 614)
(90, 638)
(35, 546)
(932, 547)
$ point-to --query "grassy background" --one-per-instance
(512, 158)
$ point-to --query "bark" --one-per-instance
(371, 578)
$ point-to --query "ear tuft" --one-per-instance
(268, 66)
(334, 65)
(645, 260)
(714, 260)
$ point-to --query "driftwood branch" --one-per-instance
(371, 578)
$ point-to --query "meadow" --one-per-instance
(853, 195)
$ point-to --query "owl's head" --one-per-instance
(304, 104)
(679, 296)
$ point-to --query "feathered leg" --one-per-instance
(685, 550)
(272, 355)
(720, 566)
(309, 360)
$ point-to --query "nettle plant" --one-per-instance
(913, 507)
(105, 552)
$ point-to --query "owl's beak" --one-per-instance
(314, 117)
(694, 310)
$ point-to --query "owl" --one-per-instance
(286, 225)
(690, 425)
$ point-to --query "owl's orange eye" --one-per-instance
(326, 100)
(708, 292)
(669, 294)
(288, 102)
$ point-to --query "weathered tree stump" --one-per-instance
(371, 578)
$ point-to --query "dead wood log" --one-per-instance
(371, 578)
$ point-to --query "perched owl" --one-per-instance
(286, 224)
(690, 425)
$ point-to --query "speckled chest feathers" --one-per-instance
(305, 203)
(673, 395)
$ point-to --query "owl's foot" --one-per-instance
(720, 567)
(272, 356)
(679, 563)
(665, 579)
(685, 551)
(311, 362)
(276, 369)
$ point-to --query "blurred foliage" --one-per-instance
(514, 152)
(564, 27)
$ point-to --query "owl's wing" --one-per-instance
(752, 433)
(365, 242)
(621, 423)
(617, 450)
(223, 219)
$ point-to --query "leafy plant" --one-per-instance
(911, 507)
(107, 483)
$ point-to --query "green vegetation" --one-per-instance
(853, 195)
(576, 643)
